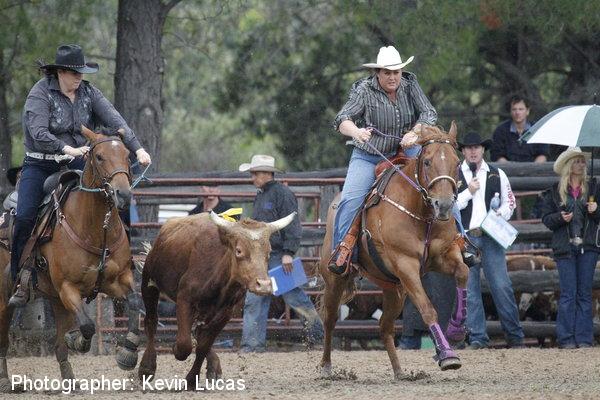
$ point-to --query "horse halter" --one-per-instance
(425, 190)
(105, 179)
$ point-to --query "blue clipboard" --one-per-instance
(282, 282)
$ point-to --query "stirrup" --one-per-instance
(23, 292)
(470, 253)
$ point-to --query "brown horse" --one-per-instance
(398, 225)
(73, 255)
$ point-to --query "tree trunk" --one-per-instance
(139, 73)
(5, 140)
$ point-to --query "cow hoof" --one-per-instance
(7, 387)
(326, 371)
(213, 374)
(66, 372)
(181, 353)
(127, 352)
(75, 341)
(146, 374)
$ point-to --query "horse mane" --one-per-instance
(435, 133)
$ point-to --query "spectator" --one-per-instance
(210, 201)
(274, 201)
(480, 182)
(506, 145)
(570, 211)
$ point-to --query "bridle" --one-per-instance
(429, 183)
(105, 178)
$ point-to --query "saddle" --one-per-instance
(56, 189)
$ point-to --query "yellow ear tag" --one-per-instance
(229, 214)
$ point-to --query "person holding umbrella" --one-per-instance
(570, 211)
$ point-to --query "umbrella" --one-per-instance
(568, 126)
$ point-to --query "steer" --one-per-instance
(204, 264)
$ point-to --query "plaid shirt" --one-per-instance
(369, 105)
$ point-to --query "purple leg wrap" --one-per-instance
(456, 328)
(442, 347)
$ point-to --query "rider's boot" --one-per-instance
(470, 253)
(21, 295)
(340, 258)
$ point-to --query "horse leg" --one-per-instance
(445, 356)
(456, 332)
(213, 365)
(150, 295)
(64, 321)
(393, 301)
(334, 288)
(127, 351)
(5, 317)
(77, 340)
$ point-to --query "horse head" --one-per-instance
(436, 169)
(107, 167)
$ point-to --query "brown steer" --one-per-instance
(205, 264)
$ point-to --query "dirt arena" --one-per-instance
(494, 374)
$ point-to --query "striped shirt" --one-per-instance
(368, 105)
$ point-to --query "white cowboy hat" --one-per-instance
(260, 162)
(566, 155)
(389, 58)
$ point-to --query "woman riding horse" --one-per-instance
(56, 108)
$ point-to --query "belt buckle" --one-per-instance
(576, 241)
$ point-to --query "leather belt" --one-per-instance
(475, 232)
(53, 157)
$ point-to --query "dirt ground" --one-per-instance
(486, 374)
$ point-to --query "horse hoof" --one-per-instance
(88, 330)
(76, 342)
(450, 363)
(455, 334)
(127, 354)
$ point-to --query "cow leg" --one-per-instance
(334, 288)
(183, 341)
(150, 295)
(71, 299)
(446, 357)
(393, 301)
(205, 337)
(64, 321)
(213, 365)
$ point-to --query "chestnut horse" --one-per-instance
(88, 219)
(398, 225)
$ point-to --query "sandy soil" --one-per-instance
(486, 374)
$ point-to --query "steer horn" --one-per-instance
(281, 223)
(221, 221)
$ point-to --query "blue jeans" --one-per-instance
(359, 179)
(31, 194)
(493, 263)
(410, 342)
(574, 323)
(256, 310)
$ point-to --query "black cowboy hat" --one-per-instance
(70, 56)
(473, 139)
(11, 175)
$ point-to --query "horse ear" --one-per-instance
(453, 131)
(89, 134)
(121, 133)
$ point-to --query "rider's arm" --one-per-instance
(108, 116)
(36, 118)
(508, 204)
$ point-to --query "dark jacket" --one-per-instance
(275, 201)
(506, 144)
(561, 230)
(51, 121)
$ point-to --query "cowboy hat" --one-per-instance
(389, 58)
(473, 139)
(258, 163)
(12, 173)
(566, 155)
(70, 56)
